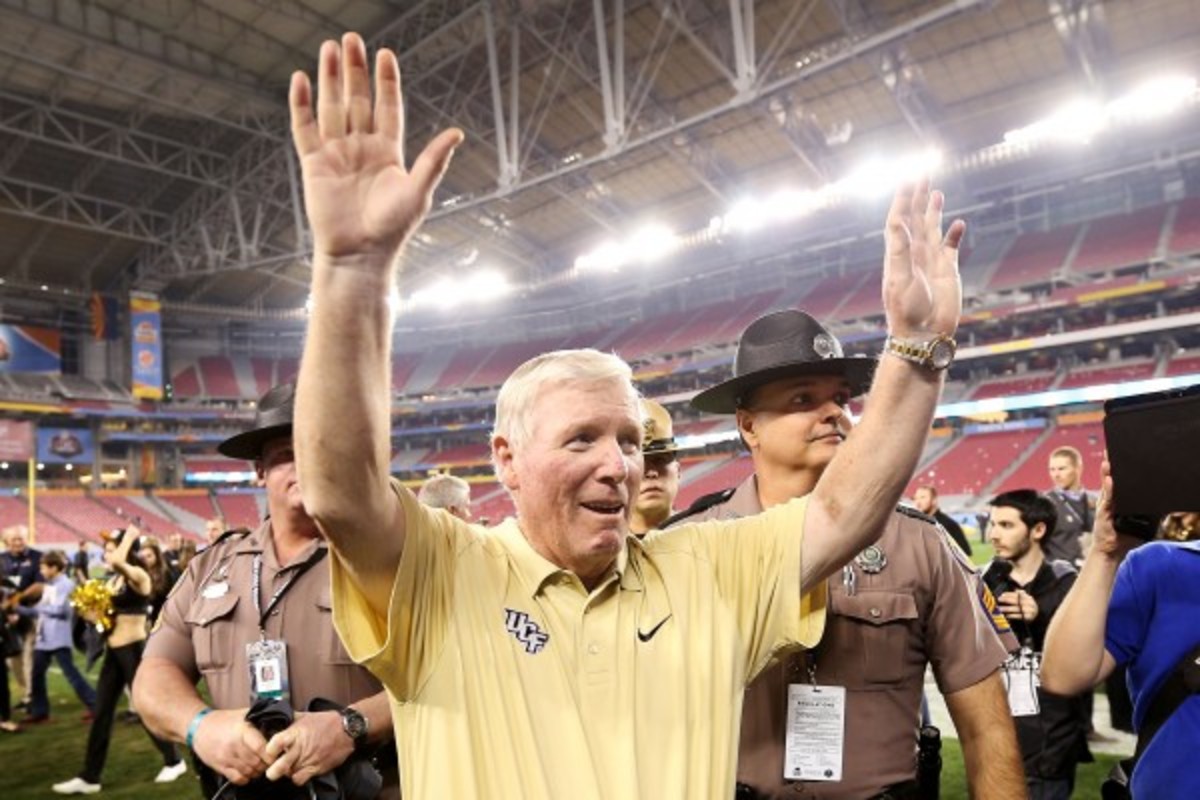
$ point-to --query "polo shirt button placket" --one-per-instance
(593, 649)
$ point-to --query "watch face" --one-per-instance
(941, 353)
(354, 723)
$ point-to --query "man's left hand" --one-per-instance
(1018, 605)
(313, 745)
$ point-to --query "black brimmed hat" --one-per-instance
(272, 419)
(783, 344)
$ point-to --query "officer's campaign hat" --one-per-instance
(784, 344)
(272, 419)
(659, 434)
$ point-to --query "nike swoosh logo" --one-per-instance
(645, 637)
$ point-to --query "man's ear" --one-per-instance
(746, 427)
(502, 457)
(260, 475)
(1038, 531)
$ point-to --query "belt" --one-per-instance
(908, 790)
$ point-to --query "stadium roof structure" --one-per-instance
(144, 143)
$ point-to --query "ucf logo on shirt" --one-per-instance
(525, 631)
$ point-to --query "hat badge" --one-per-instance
(824, 346)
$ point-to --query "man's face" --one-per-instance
(49, 572)
(16, 543)
(797, 423)
(1011, 538)
(924, 501)
(660, 485)
(277, 470)
(575, 476)
(1064, 473)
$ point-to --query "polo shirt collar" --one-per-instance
(535, 570)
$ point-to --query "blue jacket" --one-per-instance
(54, 614)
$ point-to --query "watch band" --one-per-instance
(935, 352)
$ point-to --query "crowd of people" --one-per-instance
(770, 641)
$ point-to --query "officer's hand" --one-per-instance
(922, 293)
(231, 746)
(1018, 605)
(313, 745)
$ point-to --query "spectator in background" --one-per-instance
(1152, 597)
(81, 563)
(21, 563)
(184, 556)
(171, 552)
(1029, 589)
(213, 529)
(162, 575)
(926, 501)
(1073, 505)
(660, 471)
(53, 639)
(130, 586)
(447, 492)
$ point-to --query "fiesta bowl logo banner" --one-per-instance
(64, 445)
(145, 322)
(24, 348)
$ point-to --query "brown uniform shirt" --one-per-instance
(926, 606)
(206, 633)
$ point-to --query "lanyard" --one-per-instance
(256, 587)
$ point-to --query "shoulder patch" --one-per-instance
(988, 601)
(700, 505)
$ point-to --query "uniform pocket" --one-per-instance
(333, 651)
(211, 621)
(884, 623)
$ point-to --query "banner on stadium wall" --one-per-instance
(65, 445)
(145, 322)
(24, 348)
(16, 440)
(105, 317)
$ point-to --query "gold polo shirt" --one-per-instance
(508, 679)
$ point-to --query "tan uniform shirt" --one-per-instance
(926, 606)
(509, 679)
(210, 617)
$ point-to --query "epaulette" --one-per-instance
(701, 504)
(910, 511)
(232, 533)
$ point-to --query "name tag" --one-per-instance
(215, 590)
(816, 732)
(267, 660)
(1022, 677)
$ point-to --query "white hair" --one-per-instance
(445, 491)
(514, 404)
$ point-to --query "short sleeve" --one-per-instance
(1129, 609)
(756, 562)
(401, 648)
(966, 637)
(171, 636)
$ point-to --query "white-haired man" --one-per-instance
(557, 655)
(448, 492)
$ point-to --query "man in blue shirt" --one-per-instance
(1152, 596)
(52, 641)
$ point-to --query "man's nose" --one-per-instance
(614, 465)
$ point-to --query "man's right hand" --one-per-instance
(1106, 541)
(231, 746)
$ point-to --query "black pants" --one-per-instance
(115, 674)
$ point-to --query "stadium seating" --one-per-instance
(126, 506)
(218, 378)
(1033, 257)
(461, 455)
(239, 509)
(1032, 473)
(1120, 241)
(80, 512)
(264, 374)
(491, 502)
(974, 462)
(866, 300)
(186, 382)
(1024, 384)
(1184, 365)
(48, 530)
(1185, 232)
(824, 299)
(728, 474)
(188, 505)
(1119, 373)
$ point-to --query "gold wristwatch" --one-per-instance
(935, 352)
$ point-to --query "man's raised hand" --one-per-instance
(362, 200)
(922, 293)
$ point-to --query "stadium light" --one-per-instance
(481, 286)
(881, 176)
(651, 243)
(1077, 123)
(1154, 99)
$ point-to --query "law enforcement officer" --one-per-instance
(251, 615)
(910, 600)
(660, 471)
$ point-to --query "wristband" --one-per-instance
(194, 725)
